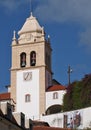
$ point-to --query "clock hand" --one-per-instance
(26, 76)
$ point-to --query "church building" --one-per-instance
(33, 90)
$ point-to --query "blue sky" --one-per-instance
(68, 22)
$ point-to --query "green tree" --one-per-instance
(86, 91)
(68, 98)
(78, 94)
(77, 100)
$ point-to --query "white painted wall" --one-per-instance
(30, 109)
(50, 101)
(57, 120)
(86, 117)
(54, 120)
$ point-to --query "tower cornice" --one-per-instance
(31, 43)
(27, 68)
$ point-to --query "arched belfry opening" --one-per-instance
(23, 59)
(33, 58)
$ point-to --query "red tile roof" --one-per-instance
(48, 128)
(4, 96)
(56, 88)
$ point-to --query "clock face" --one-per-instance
(27, 76)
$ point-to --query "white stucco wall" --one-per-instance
(54, 120)
(86, 117)
(57, 120)
(50, 101)
(28, 87)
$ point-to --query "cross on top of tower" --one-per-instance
(31, 10)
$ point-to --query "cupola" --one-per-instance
(31, 25)
(31, 31)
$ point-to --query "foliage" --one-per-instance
(77, 100)
(78, 94)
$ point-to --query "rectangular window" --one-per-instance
(55, 95)
(27, 98)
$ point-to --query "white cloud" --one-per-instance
(60, 11)
(85, 39)
(65, 10)
(55, 10)
(12, 5)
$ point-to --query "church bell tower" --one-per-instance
(31, 70)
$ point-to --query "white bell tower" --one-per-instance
(31, 70)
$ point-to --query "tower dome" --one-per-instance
(31, 25)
